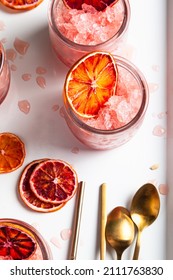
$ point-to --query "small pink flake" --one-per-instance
(62, 112)
(40, 70)
(75, 150)
(153, 87)
(163, 189)
(13, 67)
(21, 46)
(55, 107)
(65, 234)
(159, 131)
(11, 54)
(24, 106)
(41, 81)
(161, 115)
(55, 241)
(26, 77)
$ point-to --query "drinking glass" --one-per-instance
(69, 52)
(4, 74)
(103, 139)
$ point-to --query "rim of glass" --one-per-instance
(138, 75)
(70, 43)
(2, 57)
(46, 253)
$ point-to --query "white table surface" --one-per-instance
(45, 133)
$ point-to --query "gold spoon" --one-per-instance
(120, 230)
(145, 208)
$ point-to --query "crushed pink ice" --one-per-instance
(89, 26)
(121, 108)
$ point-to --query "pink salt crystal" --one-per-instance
(21, 46)
(55, 107)
(55, 241)
(162, 115)
(163, 189)
(24, 106)
(62, 112)
(89, 26)
(13, 67)
(65, 234)
(75, 150)
(11, 54)
(41, 70)
(26, 77)
(153, 87)
(41, 81)
(158, 130)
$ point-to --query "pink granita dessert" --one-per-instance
(36, 256)
(20, 241)
(89, 26)
(120, 108)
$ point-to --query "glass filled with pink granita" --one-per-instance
(104, 107)
(75, 32)
(21, 241)
(4, 74)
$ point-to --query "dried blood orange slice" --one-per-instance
(12, 152)
(21, 4)
(99, 5)
(15, 244)
(90, 83)
(29, 197)
(54, 181)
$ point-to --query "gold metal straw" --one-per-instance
(77, 221)
(103, 218)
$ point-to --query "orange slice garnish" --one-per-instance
(21, 4)
(90, 83)
(15, 244)
(53, 181)
(99, 5)
(28, 197)
(12, 152)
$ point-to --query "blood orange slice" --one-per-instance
(15, 244)
(90, 83)
(28, 197)
(54, 181)
(21, 4)
(99, 5)
(12, 152)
